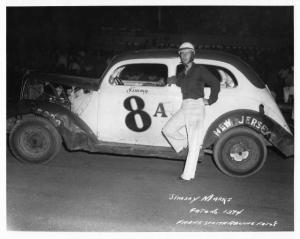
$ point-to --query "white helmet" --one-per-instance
(186, 46)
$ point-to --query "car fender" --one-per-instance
(75, 132)
(258, 121)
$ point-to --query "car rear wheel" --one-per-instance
(240, 152)
(34, 140)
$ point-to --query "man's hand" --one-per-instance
(171, 80)
(205, 101)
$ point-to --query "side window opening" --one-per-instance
(226, 78)
(140, 75)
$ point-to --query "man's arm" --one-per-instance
(213, 83)
(173, 80)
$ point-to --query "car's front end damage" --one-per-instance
(54, 88)
(57, 88)
(55, 97)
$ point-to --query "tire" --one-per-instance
(240, 152)
(34, 140)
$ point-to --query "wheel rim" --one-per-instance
(239, 152)
(34, 142)
(242, 155)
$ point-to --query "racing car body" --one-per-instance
(125, 110)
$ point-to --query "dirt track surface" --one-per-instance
(96, 192)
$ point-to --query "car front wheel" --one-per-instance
(34, 140)
(240, 152)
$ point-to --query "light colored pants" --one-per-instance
(190, 116)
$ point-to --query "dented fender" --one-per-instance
(259, 122)
(75, 132)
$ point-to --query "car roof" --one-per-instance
(172, 53)
(200, 54)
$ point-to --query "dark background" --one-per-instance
(89, 36)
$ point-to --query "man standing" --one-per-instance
(192, 111)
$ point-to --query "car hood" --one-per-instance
(68, 80)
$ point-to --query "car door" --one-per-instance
(135, 102)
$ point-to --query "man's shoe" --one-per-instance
(184, 180)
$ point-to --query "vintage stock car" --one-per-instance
(124, 111)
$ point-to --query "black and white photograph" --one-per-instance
(150, 118)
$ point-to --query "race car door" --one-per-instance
(135, 102)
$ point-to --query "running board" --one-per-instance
(142, 150)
